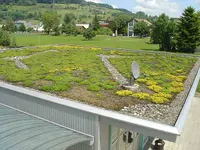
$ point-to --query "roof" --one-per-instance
(144, 20)
(149, 122)
(148, 128)
(139, 20)
(86, 26)
(20, 131)
(104, 24)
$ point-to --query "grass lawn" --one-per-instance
(78, 73)
(99, 41)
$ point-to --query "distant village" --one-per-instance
(80, 26)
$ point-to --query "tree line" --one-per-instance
(177, 35)
(174, 35)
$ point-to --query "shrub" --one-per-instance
(104, 31)
(89, 34)
(107, 87)
(28, 83)
(30, 29)
(93, 87)
(22, 28)
(85, 82)
(4, 38)
(58, 87)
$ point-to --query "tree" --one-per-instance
(141, 29)
(159, 28)
(69, 18)
(170, 37)
(189, 31)
(89, 34)
(4, 38)
(69, 29)
(104, 31)
(9, 26)
(198, 15)
(120, 22)
(22, 28)
(29, 29)
(95, 23)
(163, 33)
(50, 21)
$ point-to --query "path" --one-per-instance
(114, 72)
(190, 137)
(20, 64)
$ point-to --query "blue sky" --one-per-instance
(173, 8)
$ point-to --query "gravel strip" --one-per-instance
(167, 114)
(26, 57)
(114, 72)
(20, 64)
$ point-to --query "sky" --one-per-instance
(172, 8)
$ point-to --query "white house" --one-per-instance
(85, 26)
(38, 28)
(131, 24)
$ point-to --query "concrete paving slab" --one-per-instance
(190, 137)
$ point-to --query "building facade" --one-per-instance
(130, 30)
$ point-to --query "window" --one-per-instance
(123, 140)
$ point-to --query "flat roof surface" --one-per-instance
(84, 77)
(97, 77)
(20, 131)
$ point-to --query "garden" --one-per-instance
(78, 73)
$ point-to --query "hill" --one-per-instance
(83, 13)
(31, 10)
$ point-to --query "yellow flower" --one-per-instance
(159, 100)
(155, 88)
(177, 78)
(176, 89)
(177, 84)
(142, 96)
(142, 80)
(151, 82)
(124, 93)
(155, 73)
(168, 96)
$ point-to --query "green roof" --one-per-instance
(20, 131)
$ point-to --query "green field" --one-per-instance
(99, 41)
(78, 73)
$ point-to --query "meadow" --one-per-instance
(99, 41)
(78, 73)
